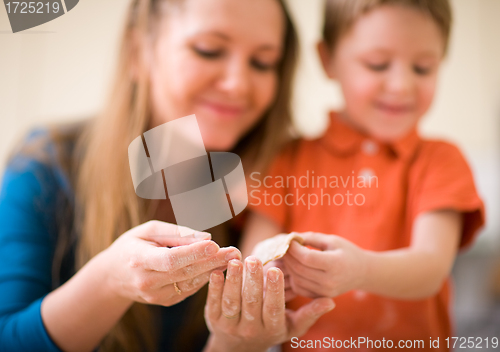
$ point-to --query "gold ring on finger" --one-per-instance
(177, 289)
(230, 316)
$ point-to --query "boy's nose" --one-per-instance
(235, 79)
(400, 80)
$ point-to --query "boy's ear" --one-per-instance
(326, 59)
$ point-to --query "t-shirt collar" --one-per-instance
(406, 146)
(344, 139)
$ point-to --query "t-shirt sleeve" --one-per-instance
(26, 251)
(448, 183)
(267, 192)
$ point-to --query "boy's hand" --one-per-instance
(336, 267)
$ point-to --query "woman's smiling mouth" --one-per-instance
(223, 110)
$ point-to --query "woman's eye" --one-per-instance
(261, 66)
(378, 67)
(208, 54)
(422, 70)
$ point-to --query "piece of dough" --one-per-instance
(275, 247)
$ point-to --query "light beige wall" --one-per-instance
(60, 71)
(56, 71)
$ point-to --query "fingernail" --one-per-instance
(320, 309)
(251, 265)
(234, 268)
(273, 275)
(234, 254)
(211, 248)
(202, 235)
(214, 278)
(331, 307)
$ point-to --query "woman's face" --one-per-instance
(217, 59)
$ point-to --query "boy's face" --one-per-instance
(387, 65)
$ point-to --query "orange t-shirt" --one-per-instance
(370, 193)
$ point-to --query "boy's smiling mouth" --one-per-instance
(394, 109)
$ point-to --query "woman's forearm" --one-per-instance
(81, 312)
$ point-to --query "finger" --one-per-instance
(171, 259)
(297, 268)
(302, 289)
(186, 288)
(231, 298)
(191, 286)
(305, 317)
(252, 295)
(169, 295)
(319, 283)
(273, 314)
(218, 261)
(321, 241)
(214, 297)
(308, 257)
(156, 279)
(274, 264)
(316, 287)
(166, 234)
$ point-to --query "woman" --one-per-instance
(80, 265)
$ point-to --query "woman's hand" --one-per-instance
(336, 267)
(289, 294)
(138, 266)
(241, 317)
(141, 267)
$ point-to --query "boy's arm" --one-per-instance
(419, 270)
(259, 228)
(415, 272)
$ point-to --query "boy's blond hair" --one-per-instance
(341, 14)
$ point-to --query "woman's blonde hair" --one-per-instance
(105, 204)
(339, 15)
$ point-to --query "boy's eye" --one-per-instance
(378, 67)
(208, 54)
(422, 70)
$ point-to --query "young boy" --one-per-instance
(386, 210)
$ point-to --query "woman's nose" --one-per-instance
(235, 79)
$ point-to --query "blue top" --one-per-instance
(28, 234)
